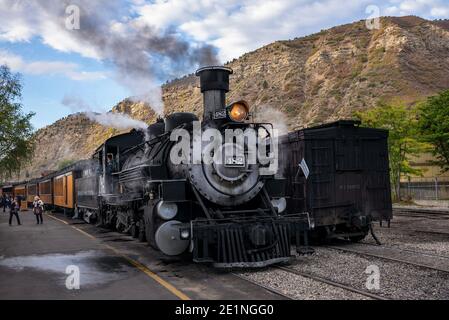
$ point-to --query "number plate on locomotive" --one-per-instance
(235, 161)
(220, 114)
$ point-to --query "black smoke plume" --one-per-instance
(141, 56)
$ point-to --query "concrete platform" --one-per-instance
(34, 261)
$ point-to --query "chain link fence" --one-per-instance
(425, 189)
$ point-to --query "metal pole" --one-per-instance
(408, 187)
(436, 188)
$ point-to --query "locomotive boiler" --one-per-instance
(210, 187)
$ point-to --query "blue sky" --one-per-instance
(43, 93)
(104, 69)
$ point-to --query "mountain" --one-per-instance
(76, 137)
(328, 75)
(313, 79)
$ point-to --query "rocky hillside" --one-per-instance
(328, 75)
(313, 79)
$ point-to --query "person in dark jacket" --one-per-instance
(4, 201)
(7, 203)
(38, 209)
(14, 211)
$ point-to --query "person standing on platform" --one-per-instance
(8, 202)
(38, 209)
(14, 211)
(3, 202)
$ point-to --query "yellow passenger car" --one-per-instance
(45, 191)
(63, 190)
(32, 191)
(20, 191)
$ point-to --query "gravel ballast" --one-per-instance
(397, 280)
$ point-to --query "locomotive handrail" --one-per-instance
(206, 212)
(302, 216)
(152, 141)
(133, 168)
(266, 199)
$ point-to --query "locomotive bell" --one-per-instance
(214, 83)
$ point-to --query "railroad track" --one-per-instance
(428, 214)
(277, 292)
(432, 232)
(426, 260)
(332, 283)
(422, 213)
(406, 250)
(424, 216)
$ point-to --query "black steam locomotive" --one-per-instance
(178, 187)
(228, 211)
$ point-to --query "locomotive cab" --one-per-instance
(111, 156)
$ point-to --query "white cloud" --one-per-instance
(430, 9)
(108, 32)
(440, 12)
(22, 20)
(15, 26)
(236, 27)
(233, 26)
(42, 67)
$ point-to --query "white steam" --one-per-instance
(119, 121)
(268, 114)
(110, 119)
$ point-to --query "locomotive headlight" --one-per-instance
(185, 234)
(280, 204)
(166, 210)
(238, 111)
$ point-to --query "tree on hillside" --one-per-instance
(434, 126)
(401, 121)
(15, 127)
(65, 163)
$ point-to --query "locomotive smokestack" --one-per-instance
(214, 82)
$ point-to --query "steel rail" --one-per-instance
(277, 292)
(416, 264)
(332, 283)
